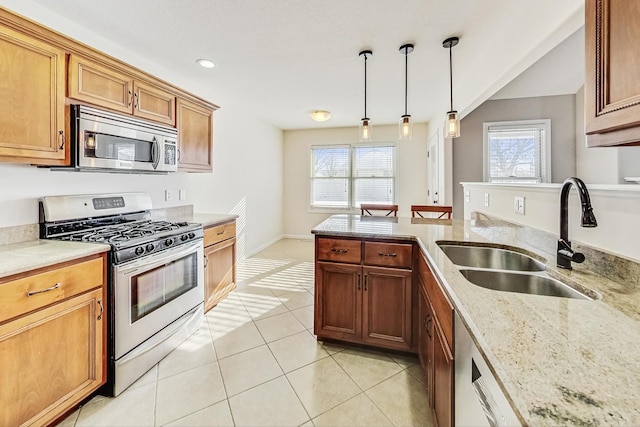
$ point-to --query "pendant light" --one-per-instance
(452, 122)
(365, 122)
(405, 120)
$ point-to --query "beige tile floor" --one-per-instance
(256, 362)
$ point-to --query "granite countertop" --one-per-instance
(206, 219)
(559, 360)
(30, 255)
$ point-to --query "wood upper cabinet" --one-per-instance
(360, 303)
(612, 78)
(105, 86)
(52, 357)
(219, 263)
(32, 90)
(195, 137)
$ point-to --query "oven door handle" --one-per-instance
(154, 260)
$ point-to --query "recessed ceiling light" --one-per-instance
(206, 63)
(320, 115)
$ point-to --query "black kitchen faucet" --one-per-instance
(565, 254)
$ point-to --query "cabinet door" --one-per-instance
(442, 379)
(100, 85)
(153, 103)
(612, 83)
(51, 359)
(426, 341)
(32, 125)
(195, 137)
(338, 301)
(219, 272)
(386, 308)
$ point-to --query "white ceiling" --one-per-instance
(281, 59)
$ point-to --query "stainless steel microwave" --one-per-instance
(106, 141)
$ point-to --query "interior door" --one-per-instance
(433, 160)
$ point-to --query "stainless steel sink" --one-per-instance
(525, 283)
(490, 257)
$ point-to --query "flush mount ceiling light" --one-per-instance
(365, 123)
(405, 120)
(452, 122)
(320, 115)
(206, 63)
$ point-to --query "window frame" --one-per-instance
(351, 178)
(544, 169)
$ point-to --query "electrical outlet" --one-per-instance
(486, 199)
(518, 205)
(167, 195)
(182, 194)
(467, 196)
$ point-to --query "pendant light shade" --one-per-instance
(452, 121)
(405, 130)
(365, 122)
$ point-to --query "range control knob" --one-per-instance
(168, 242)
(150, 247)
(192, 235)
(184, 237)
(139, 250)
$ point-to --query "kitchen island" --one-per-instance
(557, 360)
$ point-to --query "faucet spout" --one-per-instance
(565, 254)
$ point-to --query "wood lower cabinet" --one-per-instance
(219, 263)
(426, 341)
(53, 357)
(443, 377)
(612, 77)
(360, 303)
(32, 121)
(195, 137)
(104, 86)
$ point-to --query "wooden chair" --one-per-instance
(365, 209)
(436, 209)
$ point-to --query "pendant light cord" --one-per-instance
(451, 77)
(365, 85)
(406, 61)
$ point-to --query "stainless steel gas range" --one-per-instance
(155, 287)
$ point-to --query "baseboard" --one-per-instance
(298, 236)
(263, 247)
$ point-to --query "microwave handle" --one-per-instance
(155, 158)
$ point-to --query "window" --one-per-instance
(344, 176)
(517, 151)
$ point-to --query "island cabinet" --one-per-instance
(32, 125)
(612, 77)
(435, 344)
(107, 86)
(52, 333)
(363, 292)
(219, 263)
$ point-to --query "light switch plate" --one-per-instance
(486, 199)
(467, 196)
(182, 194)
(518, 205)
(167, 195)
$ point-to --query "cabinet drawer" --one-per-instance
(48, 287)
(443, 310)
(219, 233)
(387, 254)
(340, 250)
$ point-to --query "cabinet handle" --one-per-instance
(365, 282)
(137, 98)
(61, 133)
(427, 323)
(220, 232)
(392, 255)
(56, 286)
(206, 262)
(339, 251)
(178, 154)
(358, 281)
(130, 99)
(101, 309)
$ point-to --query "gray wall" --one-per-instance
(467, 149)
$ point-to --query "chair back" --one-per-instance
(432, 209)
(367, 208)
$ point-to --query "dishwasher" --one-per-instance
(479, 401)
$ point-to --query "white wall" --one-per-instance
(411, 184)
(616, 209)
(247, 177)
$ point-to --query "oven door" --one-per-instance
(152, 292)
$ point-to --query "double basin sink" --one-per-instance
(502, 269)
